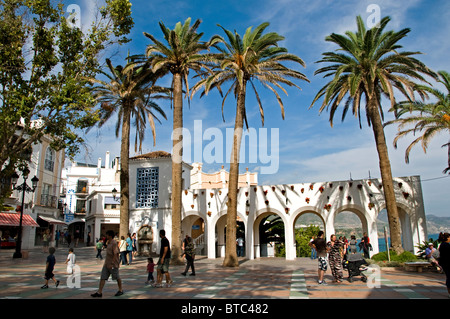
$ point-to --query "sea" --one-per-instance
(382, 241)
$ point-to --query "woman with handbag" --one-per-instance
(123, 250)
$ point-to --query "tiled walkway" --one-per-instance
(266, 278)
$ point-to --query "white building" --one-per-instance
(42, 205)
(150, 194)
(89, 207)
(204, 209)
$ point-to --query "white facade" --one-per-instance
(365, 198)
(158, 217)
(88, 188)
(204, 210)
(46, 164)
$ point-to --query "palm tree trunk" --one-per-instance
(231, 259)
(177, 158)
(386, 176)
(124, 174)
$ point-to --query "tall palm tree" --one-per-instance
(128, 91)
(181, 52)
(255, 57)
(369, 65)
(430, 118)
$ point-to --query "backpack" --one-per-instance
(436, 255)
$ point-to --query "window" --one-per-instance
(147, 187)
(49, 162)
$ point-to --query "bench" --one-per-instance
(417, 266)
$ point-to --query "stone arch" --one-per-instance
(218, 226)
(368, 221)
(410, 234)
(259, 216)
(300, 212)
(199, 234)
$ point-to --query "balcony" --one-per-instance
(49, 200)
(82, 190)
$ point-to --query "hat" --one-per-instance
(429, 244)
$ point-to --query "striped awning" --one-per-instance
(52, 220)
(13, 219)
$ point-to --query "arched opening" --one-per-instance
(221, 236)
(348, 223)
(194, 226)
(306, 226)
(405, 229)
(269, 235)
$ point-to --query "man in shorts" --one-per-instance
(164, 261)
(111, 265)
(320, 246)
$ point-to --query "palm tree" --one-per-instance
(245, 60)
(368, 64)
(180, 53)
(129, 91)
(429, 118)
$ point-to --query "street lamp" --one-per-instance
(114, 193)
(24, 188)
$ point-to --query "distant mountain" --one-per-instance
(436, 224)
(351, 223)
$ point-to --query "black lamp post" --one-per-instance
(23, 188)
(114, 193)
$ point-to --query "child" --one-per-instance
(49, 266)
(70, 261)
(150, 269)
(99, 247)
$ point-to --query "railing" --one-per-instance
(49, 200)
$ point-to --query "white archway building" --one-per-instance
(365, 198)
(204, 210)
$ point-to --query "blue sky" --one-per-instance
(309, 149)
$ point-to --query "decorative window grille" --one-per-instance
(147, 187)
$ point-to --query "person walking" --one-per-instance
(335, 253)
(99, 247)
(240, 246)
(129, 241)
(134, 244)
(45, 240)
(189, 251)
(444, 257)
(150, 270)
(163, 262)
(365, 245)
(320, 246)
(88, 239)
(49, 267)
(123, 250)
(70, 261)
(57, 236)
(110, 266)
(313, 250)
(69, 239)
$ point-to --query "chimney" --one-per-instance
(99, 163)
(107, 161)
(116, 163)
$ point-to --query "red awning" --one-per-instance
(13, 219)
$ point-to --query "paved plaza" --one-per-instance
(265, 278)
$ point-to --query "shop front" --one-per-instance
(9, 228)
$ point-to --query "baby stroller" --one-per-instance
(354, 263)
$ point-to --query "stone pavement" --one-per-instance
(265, 278)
